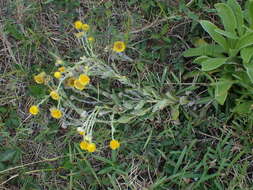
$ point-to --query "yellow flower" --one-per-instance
(81, 133)
(84, 145)
(119, 46)
(54, 95)
(70, 81)
(57, 74)
(85, 27)
(78, 85)
(79, 34)
(34, 110)
(91, 147)
(91, 39)
(56, 113)
(84, 79)
(62, 69)
(114, 144)
(78, 25)
(80, 130)
(40, 78)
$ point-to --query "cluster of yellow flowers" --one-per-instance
(55, 113)
(118, 46)
(83, 28)
(88, 145)
(77, 81)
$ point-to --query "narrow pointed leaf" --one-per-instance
(209, 50)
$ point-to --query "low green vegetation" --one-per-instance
(137, 94)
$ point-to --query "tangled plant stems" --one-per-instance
(72, 89)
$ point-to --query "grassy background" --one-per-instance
(204, 149)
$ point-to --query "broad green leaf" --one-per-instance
(210, 29)
(242, 76)
(212, 63)
(233, 52)
(227, 34)
(250, 8)
(245, 41)
(221, 90)
(209, 50)
(244, 80)
(227, 16)
(200, 59)
(243, 108)
(246, 54)
(235, 6)
(249, 69)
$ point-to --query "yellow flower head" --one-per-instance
(114, 144)
(91, 39)
(80, 130)
(84, 145)
(78, 25)
(62, 69)
(79, 34)
(91, 147)
(34, 110)
(70, 81)
(57, 74)
(55, 113)
(54, 95)
(84, 79)
(119, 46)
(85, 27)
(78, 85)
(40, 78)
